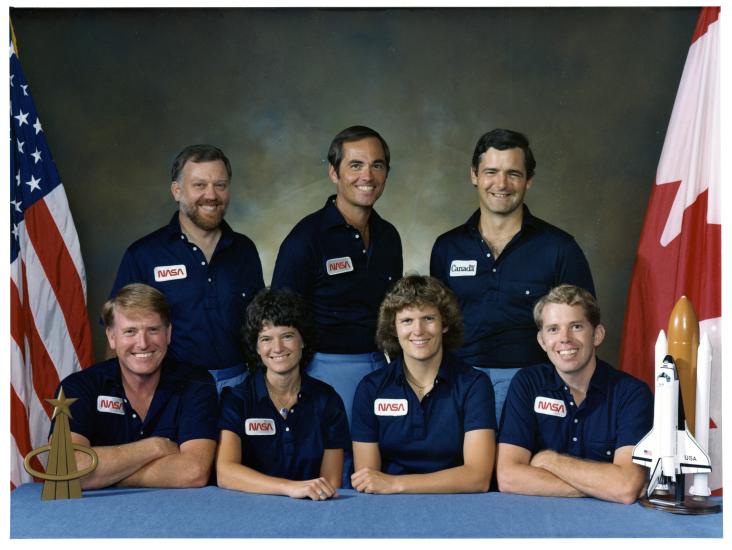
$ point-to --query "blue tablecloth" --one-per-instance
(214, 512)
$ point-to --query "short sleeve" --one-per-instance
(127, 273)
(364, 424)
(231, 411)
(574, 268)
(335, 424)
(518, 422)
(199, 410)
(295, 265)
(635, 417)
(83, 409)
(480, 405)
(437, 262)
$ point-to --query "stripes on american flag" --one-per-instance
(49, 325)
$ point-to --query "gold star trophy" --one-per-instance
(61, 476)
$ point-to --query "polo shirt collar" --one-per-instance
(444, 374)
(528, 220)
(332, 217)
(260, 385)
(598, 382)
(166, 384)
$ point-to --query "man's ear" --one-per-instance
(599, 335)
(540, 340)
(332, 174)
(109, 332)
(473, 177)
(175, 190)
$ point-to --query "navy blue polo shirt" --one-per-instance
(497, 296)
(323, 258)
(207, 300)
(422, 437)
(540, 413)
(290, 448)
(184, 405)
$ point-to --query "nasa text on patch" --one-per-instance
(109, 404)
(390, 407)
(336, 266)
(259, 426)
(547, 405)
(169, 272)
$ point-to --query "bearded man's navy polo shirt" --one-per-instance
(207, 300)
(184, 406)
(540, 413)
(323, 258)
(290, 448)
(497, 296)
(422, 437)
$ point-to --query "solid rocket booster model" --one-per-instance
(683, 344)
(669, 449)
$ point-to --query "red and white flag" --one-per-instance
(49, 326)
(680, 246)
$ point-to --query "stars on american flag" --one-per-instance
(21, 117)
(38, 126)
(33, 183)
(36, 156)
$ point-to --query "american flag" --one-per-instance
(49, 325)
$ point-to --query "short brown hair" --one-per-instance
(137, 298)
(418, 290)
(570, 295)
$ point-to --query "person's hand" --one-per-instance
(314, 489)
(368, 480)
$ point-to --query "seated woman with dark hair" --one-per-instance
(282, 432)
(426, 423)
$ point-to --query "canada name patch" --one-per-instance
(547, 405)
(463, 268)
(169, 272)
(336, 266)
(109, 404)
(259, 426)
(390, 407)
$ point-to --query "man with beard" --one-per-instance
(207, 272)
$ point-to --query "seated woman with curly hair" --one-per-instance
(282, 432)
(426, 423)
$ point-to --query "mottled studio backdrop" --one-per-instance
(121, 92)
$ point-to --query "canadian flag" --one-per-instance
(680, 246)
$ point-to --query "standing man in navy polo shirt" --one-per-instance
(502, 260)
(208, 273)
(569, 426)
(343, 258)
(151, 419)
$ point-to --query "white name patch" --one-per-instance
(390, 407)
(169, 272)
(553, 407)
(339, 265)
(463, 268)
(259, 426)
(109, 404)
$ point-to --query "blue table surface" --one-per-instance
(212, 512)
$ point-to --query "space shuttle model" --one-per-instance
(669, 450)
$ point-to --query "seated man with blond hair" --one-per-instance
(151, 420)
(569, 427)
